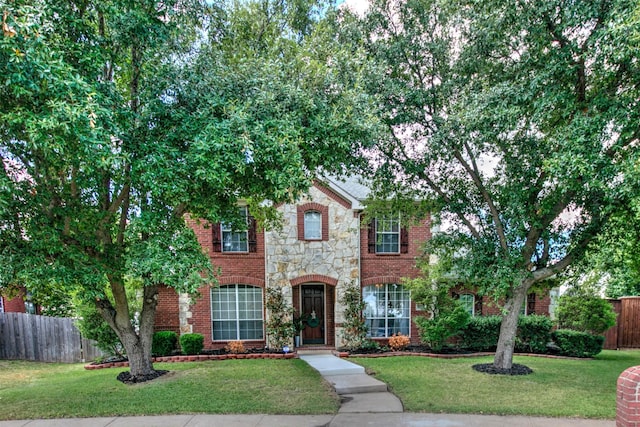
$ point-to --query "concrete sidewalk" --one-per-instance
(340, 420)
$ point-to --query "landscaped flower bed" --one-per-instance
(196, 358)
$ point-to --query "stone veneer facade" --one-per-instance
(333, 262)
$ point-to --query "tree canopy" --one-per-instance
(120, 118)
(517, 121)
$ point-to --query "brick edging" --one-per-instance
(453, 356)
(198, 358)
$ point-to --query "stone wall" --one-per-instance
(290, 259)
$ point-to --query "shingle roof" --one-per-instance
(352, 187)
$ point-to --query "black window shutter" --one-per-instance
(404, 240)
(252, 234)
(217, 237)
(371, 236)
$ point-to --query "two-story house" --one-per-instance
(324, 245)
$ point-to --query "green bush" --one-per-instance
(481, 333)
(577, 344)
(534, 333)
(164, 342)
(92, 326)
(191, 343)
(585, 313)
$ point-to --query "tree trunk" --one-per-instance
(509, 327)
(136, 344)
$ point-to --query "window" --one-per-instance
(312, 225)
(529, 306)
(236, 313)
(313, 221)
(468, 301)
(235, 241)
(388, 235)
(387, 310)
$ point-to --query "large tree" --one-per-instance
(517, 120)
(119, 118)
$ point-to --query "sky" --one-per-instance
(358, 6)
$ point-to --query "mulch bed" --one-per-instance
(127, 378)
(516, 369)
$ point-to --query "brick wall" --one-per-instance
(391, 268)
(245, 268)
(167, 318)
(628, 398)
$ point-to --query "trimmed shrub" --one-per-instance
(164, 342)
(534, 333)
(585, 313)
(481, 333)
(577, 344)
(191, 343)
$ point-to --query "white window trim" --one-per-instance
(380, 233)
(237, 318)
(304, 221)
(224, 228)
(386, 316)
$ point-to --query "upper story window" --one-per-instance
(312, 225)
(388, 234)
(313, 222)
(235, 241)
(230, 239)
(387, 237)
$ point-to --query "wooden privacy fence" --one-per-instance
(43, 339)
(626, 332)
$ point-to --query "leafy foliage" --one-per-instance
(399, 342)
(354, 328)
(516, 121)
(120, 121)
(481, 333)
(448, 316)
(578, 344)
(280, 326)
(191, 343)
(582, 313)
(534, 333)
(92, 326)
(164, 342)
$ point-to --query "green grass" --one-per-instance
(557, 388)
(39, 390)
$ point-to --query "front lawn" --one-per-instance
(40, 390)
(557, 388)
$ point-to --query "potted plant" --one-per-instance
(299, 323)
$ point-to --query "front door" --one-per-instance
(313, 313)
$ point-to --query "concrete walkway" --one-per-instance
(359, 392)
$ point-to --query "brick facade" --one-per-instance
(285, 260)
